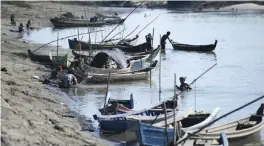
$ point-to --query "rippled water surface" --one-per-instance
(236, 79)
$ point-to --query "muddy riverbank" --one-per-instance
(31, 114)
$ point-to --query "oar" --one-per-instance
(227, 114)
(63, 38)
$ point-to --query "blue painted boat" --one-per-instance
(155, 134)
(117, 123)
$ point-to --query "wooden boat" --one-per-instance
(186, 47)
(113, 20)
(105, 16)
(221, 141)
(116, 106)
(236, 130)
(142, 74)
(118, 63)
(64, 61)
(85, 46)
(39, 58)
(154, 53)
(154, 134)
(68, 22)
(117, 123)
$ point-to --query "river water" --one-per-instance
(236, 79)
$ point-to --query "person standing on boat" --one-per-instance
(149, 42)
(183, 86)
(163, 40)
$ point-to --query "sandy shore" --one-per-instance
(31, 115)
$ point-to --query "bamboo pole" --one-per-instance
(151, 51)
(166, 128)
(174, 119)
(147, 25)
(107, 88)
(57, 48)
(160, 72)
(61, 39)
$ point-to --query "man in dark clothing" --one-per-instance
(20, 28)
(28, 24)
(54, 73)
(12, 19)
(149, 42)
(183, 86)
(163, 40)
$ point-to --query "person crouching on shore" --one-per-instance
(68, 80)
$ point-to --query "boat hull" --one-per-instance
(57, 22)
(199, 48)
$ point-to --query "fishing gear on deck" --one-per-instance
(227, 114)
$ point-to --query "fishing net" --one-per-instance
(118, 56)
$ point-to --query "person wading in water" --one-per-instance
(12, 19)
(28, 24)
(20, 28)
(163, 40)
(183, 86)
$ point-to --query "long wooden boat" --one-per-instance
(133, 56)
(154, 134)
(66, 22)
(106, 16)
(142, 74)
(201, 48)
(117, 123)
(85, 46)
(236, 130)
(90, 69)
(39, 58)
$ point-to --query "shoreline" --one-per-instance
(31, 113)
